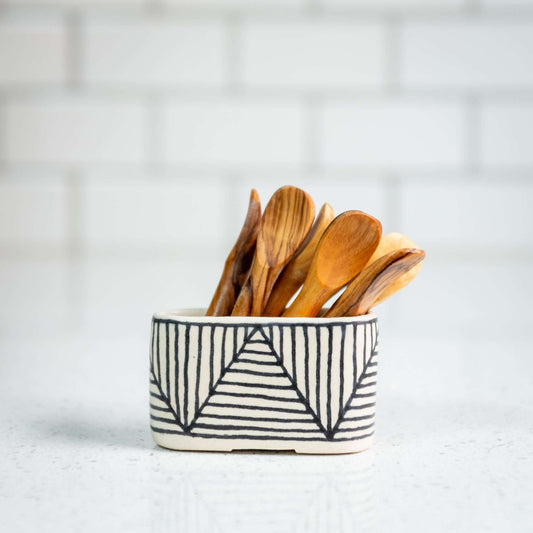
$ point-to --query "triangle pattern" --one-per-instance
(323, 359)
(186, 360)
(359, 413)
(256, 398)
(257, 336)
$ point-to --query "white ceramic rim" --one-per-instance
(198, 315)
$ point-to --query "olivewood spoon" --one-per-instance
(294, 273)
(344, 249)
(285, 224)
(238, 262)
(362, 293)
(388, 243)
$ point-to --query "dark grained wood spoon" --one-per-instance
(389, 243)
(344, 249)
(294, 274)
(238, 262)
(361, 294)
(286, 222)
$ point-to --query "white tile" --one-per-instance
(507, 3)
(506, 133)
(313, 55)
(493, 215)
(396, 5)
(77, 3)
(241, 4)
(32, 51)
(144, 52)
(146, 213)
(34, 296)
(121, 295)
(234, 132)
(466, 54)
(455, 299)
(74, 130)
(391, 134)
(33, 211)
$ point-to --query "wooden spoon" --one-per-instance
(238, 262)
(294, 273)
(388, 243)
(362, 293)
(286, 222)
(344, 249)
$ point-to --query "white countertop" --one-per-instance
(452, 452)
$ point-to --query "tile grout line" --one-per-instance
(74, 45)
(234, 66)
(153, 134)
(473, 131)
(313, 106)
(3, 134)
(311, 8)
(392, 56)
(392, 188)
(169, 170)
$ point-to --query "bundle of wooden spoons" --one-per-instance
(285, 249)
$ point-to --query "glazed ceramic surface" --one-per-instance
(228, 383)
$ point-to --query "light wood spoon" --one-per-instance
(344, 249)
(286, 222)
(238, 262)
(361, 294)
(293, 275)
(389, 243)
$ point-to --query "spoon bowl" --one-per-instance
(363, 292)
(343, 250)
(389, 243)
(285, 224)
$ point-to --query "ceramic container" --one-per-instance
(234, 383)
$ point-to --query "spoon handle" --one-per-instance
(243, 305)
(361, 293)
(309, 301)
(294, 274)
(238, 262)
(252, 292)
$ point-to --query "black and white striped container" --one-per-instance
(230, 383)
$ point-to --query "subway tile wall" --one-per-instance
(131, 132)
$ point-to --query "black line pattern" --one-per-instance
(299, 382)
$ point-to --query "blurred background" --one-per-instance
(131, 132)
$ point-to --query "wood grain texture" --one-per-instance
(294, 274)
(362, 293)
(389, 243)
(238, 262)
(343, 250)
(243, 305)
(286, 222)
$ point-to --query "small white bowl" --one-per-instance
(261, 383)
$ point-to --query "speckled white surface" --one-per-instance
(452, 451)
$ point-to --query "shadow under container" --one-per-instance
(262, 383)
